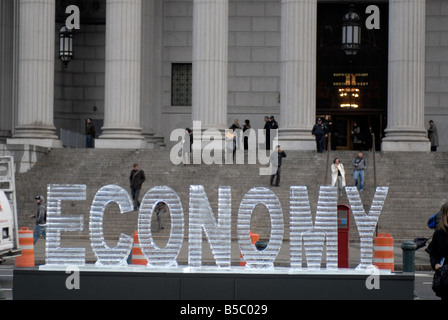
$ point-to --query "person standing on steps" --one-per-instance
(90, 133)
(319, 132)
(360, 164)
(433, 136)
(136, 180)
(338, 175)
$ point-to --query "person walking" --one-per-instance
(439, 249)
(41, 219)
(360, 164)
(276, 164)
(338, 175)
(433, 136)
(136, 180)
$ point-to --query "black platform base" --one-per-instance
(32, 284)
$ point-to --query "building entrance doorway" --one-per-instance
(345, 136)
(352, 73)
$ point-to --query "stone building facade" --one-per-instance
(143, 68)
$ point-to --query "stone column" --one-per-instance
(210, 59)
(406, 130)
(36, 75)
(6, 67)
(298, 74)
(122, 129)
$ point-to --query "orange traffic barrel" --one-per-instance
(384, 252)
(254, 238)
(137, 254)
(26, 244)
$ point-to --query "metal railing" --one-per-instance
(72, 139)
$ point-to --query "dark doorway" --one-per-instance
(352, 87)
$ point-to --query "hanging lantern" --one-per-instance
(65, 45)
(351, 32)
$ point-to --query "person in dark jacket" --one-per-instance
(439, 244)
(320, 132)
(136, 179)
(433, 136)
(267, 130)
(90, 133)
(41, 219)
(276, 162)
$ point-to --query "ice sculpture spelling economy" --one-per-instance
(314, 236)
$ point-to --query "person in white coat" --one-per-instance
(338, 175)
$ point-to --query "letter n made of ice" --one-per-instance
(313, 236)
(218, 234)
(366, 223)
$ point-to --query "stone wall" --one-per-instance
(437, 67)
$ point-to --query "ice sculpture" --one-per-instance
(109, 256)
(366, 223)
(313, 236)
(265, 258)
(218, 233)
(161, 257)
(56, 223)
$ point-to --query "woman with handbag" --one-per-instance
(439, 254)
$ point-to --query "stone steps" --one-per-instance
(417, 185)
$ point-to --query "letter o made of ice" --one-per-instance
(161, 257)
(253, 257)
(119, 254)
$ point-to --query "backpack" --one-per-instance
(434, 220)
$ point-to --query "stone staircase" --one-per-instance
(417, 181)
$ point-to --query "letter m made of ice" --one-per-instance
(313, 235)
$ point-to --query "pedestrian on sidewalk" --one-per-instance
(41, 219)
(360, 164)
(439, 248)
(338, 175)
(136, 180)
